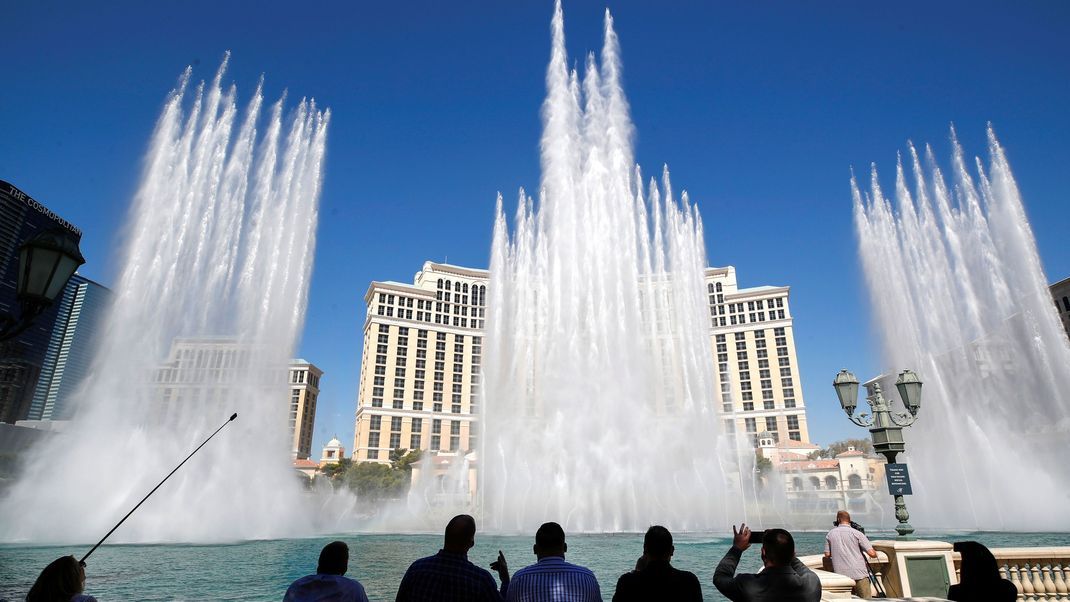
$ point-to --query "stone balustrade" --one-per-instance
(1038, 573)
(1041, 574)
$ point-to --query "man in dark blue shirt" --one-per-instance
(654, 578)
(449, 576)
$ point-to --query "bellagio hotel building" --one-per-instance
(423, 348)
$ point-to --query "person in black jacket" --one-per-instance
(654, 578)
(784, 579)
(979, 576)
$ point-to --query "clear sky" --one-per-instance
(759, 108)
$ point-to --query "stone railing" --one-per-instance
(1040, 574)
(835, 586)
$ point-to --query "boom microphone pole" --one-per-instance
(231, 419)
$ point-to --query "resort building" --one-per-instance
(821, 486)
(754, 349)
(304, 389)
(419, 375)
(201, 371)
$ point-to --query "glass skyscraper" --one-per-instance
(82, 310)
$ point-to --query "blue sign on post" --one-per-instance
(898, 479)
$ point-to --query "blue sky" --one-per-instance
(759, 109)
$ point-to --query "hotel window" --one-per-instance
(740, 336)
(748, 406)
(783, 361)
(376, 422)
(741, 346)
(414, 441)
(718, 287)
(768, 404)
(384, 328)
(770, 424)
(751, 425)
(449, 285)
(395, 424)
(780, 314)
(395, 440)
(793, 423)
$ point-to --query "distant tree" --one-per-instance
(372, 480)
(834, 449)
(403, 459)
(336, 472)
(763, 465)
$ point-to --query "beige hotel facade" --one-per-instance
(423, 344)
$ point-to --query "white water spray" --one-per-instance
(220, 241)
(600, 390)
(960, 297)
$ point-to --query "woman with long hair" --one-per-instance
(63, 580)
(979, 577)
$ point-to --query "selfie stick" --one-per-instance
(231, 419)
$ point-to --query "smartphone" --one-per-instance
(757, 536)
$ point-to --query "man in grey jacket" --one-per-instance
(784, 577)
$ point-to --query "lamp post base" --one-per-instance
(905, 531)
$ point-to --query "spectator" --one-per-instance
(328, 584)
(654, 578)
(449, 576)
(63, 580)
(784, 579)
(979, 577)
(552, 579)
(845, 545)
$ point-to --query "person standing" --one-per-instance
(551, 579)
(848, 548)
(449, 576)
(328, 583)
(784, 579)
(654, 578)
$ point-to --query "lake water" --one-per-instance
(262, 570)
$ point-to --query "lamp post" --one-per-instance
(885, 426)
(46, 262)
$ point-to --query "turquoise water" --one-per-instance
(261, 570)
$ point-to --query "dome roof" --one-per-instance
(334, 443)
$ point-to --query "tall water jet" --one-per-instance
(209, 305)
(601, 397)
(959, 295)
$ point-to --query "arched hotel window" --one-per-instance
(796, 483)
(709, 287)
(830, 482)
(854, 481)
(439, 283)
(449, 285)
(815, 482)
(718, 287)
(465, 291)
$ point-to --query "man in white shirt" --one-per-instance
(846, 545)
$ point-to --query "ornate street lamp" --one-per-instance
(46, 262)
(887, 426)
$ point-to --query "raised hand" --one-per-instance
(501, 567)
(741, 538)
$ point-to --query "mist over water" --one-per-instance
(959, 296)
(218, 247)
(601, 399)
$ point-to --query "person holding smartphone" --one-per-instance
(785, 578)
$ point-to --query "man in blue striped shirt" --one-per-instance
(552, 579)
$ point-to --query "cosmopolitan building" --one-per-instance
(80, 318)
(22, 358)
(423, 343)
(1060, 292)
